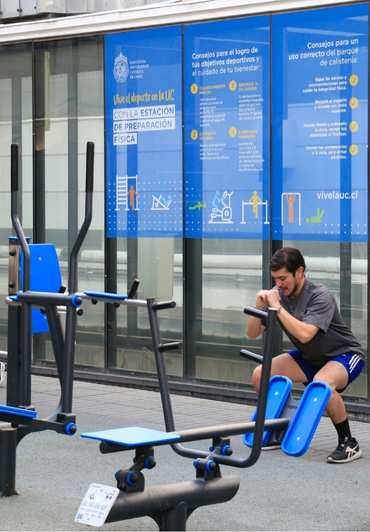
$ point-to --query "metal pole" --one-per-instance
(174, 519)
(161, 367)
(57, 338)
(24, 323)
(70, 334)
(8, 446)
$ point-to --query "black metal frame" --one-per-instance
(171, 505)
(62, 420)
(217, 432)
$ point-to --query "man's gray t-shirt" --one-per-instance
(315, 305)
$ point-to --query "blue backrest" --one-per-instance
(45, 277)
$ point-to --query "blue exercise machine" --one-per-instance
(35, 295)
(170, 505)
(305, 414)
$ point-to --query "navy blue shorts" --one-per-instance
(353, 363)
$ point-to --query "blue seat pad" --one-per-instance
(45, 277)
(133, 436)
(306, 419)
(15, 411)
(278, 395)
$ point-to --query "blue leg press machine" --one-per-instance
(296, 440)
(305, 420)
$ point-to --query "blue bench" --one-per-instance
(133, 437)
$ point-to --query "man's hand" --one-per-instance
(268, 298)
(261, 299)
(273, 298)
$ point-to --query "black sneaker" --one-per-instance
(345, 452)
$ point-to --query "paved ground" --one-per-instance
(277, 493)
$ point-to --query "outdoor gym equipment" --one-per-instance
(306, 413)
(35, 283)
(296, 440)
(170, 505)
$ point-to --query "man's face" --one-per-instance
(289, 283)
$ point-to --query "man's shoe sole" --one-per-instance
(271, 447)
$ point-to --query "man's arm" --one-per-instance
(304, 332)
(254, 325)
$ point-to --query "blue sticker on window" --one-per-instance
(226, 134)
(320, 124)
(143, 84)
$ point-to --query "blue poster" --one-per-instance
(226, 129)
(143, 84)
(319, 124)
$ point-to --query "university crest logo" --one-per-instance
(121, 68)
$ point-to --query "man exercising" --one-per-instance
(325, 348)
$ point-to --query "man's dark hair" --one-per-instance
(289, 258)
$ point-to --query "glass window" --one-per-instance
(320, 155)
(216, 149)
(69, 110)
(227, 201)
(159, 268)
(15, 127)
(143, 95)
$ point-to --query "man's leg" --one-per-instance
(283, 364)
(348, 449)
(334, 374)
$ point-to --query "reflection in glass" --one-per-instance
(15, 127)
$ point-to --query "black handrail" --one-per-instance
(72, 266)
(261, 403)
(256, 313)
(260, 414)
(71, 318)
(251, 356)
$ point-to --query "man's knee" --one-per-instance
(256, 377)
(325, 378)
(334, 374)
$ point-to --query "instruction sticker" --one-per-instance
(96, 505)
